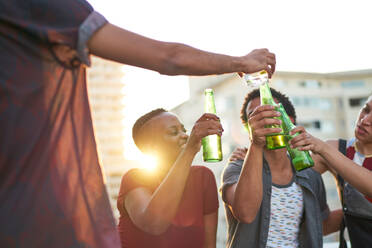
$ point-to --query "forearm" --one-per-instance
(114, 43)
(165, 200)
(357, 176)
(333, 222)
(248, 193)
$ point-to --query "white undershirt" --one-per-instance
(286, 214)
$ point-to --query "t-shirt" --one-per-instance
(286, 214)
(187, 229)
(52, 191)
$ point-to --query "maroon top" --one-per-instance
(52, 192)
(367, 162)
(187, 229)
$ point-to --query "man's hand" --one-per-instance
(261, 117)
(259, 59)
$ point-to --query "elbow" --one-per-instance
(246, 217)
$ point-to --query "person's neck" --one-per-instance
(364, 148)
(277, 159)
(280, 166)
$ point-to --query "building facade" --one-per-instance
(106, 95)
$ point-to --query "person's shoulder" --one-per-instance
(310, 173)
(135, 175)
(234, 165)
(314, 178)
(200, 170)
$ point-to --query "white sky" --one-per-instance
(314, 35)
(311, 36)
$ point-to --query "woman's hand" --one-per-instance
(305, 141)
(258, 119)
(207, 124)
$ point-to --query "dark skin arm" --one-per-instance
(114, 43)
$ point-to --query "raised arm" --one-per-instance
(245, 196)
(114, 43)
(358, 176)
(153, 213)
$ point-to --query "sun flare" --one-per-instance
(148, 162)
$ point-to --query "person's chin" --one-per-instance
(362, 136)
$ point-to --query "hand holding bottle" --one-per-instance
(207, 124)
(259, 59)
(258, 120)
(305, 141)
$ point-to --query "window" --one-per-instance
(310, 83)
(353, 84)
(311, 125)
(313, 102)
(325, 126)
(357, 101)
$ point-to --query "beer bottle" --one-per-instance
(300, 159)
(261, 79)
(212, 151)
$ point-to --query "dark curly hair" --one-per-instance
(140, 122)
(287, 104)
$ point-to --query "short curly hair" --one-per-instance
(137, 130)
(282, 98)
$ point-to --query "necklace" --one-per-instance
(357, 150)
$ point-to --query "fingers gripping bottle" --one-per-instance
(212, 151)
(261, 79)
(300, 159)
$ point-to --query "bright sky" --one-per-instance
(313, 36)
(306, 35)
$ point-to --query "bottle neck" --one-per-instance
(265, 95)
(288, 125)
(209, 106)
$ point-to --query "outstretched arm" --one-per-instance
(153, 213)
(358, 176)
(114, 43)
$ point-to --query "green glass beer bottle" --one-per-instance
(261, 78)
(300, 159)
(212, 151)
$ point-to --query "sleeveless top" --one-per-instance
(357, 207)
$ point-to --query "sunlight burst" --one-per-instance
(148, 162)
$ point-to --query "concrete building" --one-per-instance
(105, 89)
(326, 104)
